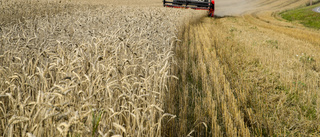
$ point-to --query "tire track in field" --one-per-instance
(268, 18)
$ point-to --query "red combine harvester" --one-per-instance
(192, 4)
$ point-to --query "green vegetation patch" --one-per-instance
(304, 15)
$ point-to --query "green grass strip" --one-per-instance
(304, 15)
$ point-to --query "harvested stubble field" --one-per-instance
(248, 72)
(134, 68)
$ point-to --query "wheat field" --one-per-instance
(134, 68)
(85, 70)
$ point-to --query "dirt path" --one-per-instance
(248, 72)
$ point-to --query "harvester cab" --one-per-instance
(192, 4)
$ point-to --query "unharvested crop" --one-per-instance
(93, 70)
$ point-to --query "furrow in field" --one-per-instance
(267, 18)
